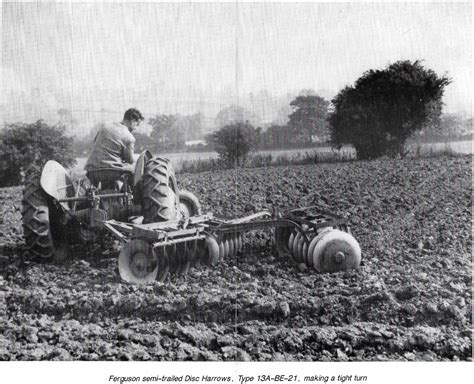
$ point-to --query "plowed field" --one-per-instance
(410, 300)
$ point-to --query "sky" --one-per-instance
(98, 59)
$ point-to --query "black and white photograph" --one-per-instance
(236, 182)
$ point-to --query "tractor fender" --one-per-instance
(56, 182)
(144, 157)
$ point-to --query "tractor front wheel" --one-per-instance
(189, 204)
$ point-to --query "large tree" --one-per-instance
(308, 118)
(170, 132)
(190, 125)
(165, 134)
(385, 107)
(277, 136)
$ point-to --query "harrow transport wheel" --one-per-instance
(336, 251)
(189, 204)
(138, 263)
(37, 226)
(160, 191)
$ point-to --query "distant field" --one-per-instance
(177, 159)
(456, 146)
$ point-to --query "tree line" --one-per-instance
(376, 115)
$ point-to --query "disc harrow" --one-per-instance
(320, 240)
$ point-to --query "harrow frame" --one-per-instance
(296, 232)
(293, 218)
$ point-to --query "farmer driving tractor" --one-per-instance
(162, 228)
(112, 153)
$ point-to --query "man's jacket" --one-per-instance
(113, 148)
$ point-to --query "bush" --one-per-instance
(25, 145)
(233, 143)
(385, 107)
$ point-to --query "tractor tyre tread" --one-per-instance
(160, 191)
(35, 218)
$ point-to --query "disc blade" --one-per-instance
(336, 251)
(163, 264)
(137, 262)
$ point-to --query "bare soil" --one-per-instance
(410, 300)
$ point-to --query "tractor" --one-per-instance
(162, 229)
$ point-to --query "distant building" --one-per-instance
(194, 142)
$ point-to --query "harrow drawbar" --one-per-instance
(320, 240)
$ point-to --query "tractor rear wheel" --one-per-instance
(36, 214)
(160, 191)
